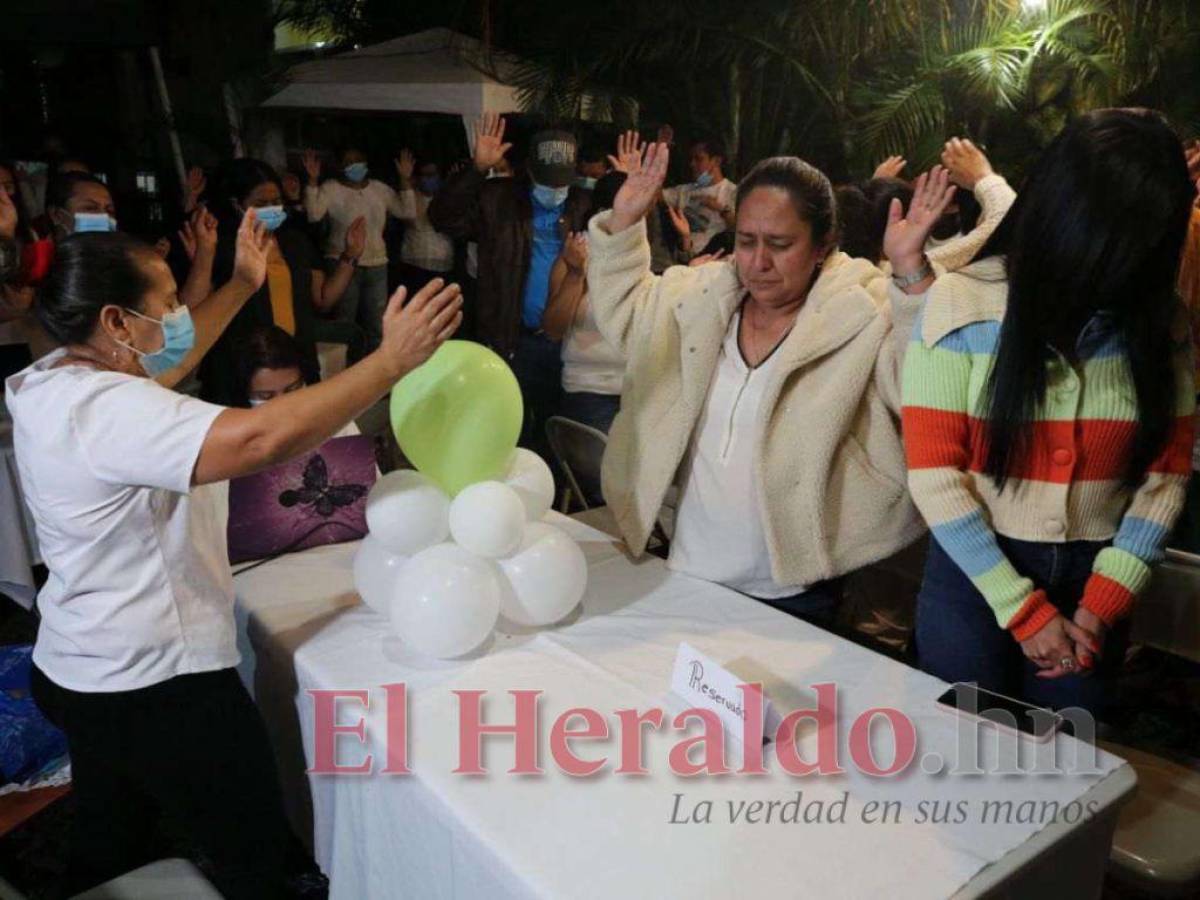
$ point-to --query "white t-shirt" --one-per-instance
(139, 589)
(424, 245)
(718, 526)
(590, 363)
(706, 223)
(345, 204)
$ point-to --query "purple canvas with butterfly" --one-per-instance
(318, 498)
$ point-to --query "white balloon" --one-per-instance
(488, 519)
(546, 578)
(406, 512)
(446, 602)
(377, 574)
(533, 481)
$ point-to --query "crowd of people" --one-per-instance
(813, 376)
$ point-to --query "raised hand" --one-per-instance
(890, 167)
(629, 152)
(1052, 648)
(904, 239)
(680, 223)
(966, 162)
(204, 224)
(356, 237)
(187, 237)
(489, 142)
(575, 251)
(196, 183)
(640, 189)
(250, 254)
(406, 164)
(413, 331)
(312, 166)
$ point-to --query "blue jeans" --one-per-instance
(362, 304)
(595, 410)
(958, 639)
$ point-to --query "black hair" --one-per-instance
(809, 189)
(854, 216)
(591, 152)
(713, 146)
(61, 187)
(235, 180)
(91, 271)
(863, 220)
(1098, 226)
(263, 347)
(605, 191)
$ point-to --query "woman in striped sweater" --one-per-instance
(1048, 417)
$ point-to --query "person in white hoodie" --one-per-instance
(352, 195)
(766, 387)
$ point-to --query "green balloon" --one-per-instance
(457, 418)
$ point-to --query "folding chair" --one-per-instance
(578, 450)
(1155, 847)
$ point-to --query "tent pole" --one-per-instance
(467, 124)
(169, 116)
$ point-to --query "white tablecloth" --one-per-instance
(435, 834)
(18, 541)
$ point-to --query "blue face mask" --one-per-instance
(429, 184)
(85, 222)
(355, 171)
(548, 197)
(179, 336)
(704, 180)
(270, 216)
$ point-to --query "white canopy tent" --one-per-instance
(437, 71)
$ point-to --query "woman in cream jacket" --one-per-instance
(766, 387)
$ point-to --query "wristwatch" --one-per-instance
(903, 281)
(347, 258)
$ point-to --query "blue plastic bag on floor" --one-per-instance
(29, 744)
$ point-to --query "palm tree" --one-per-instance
(841, 82)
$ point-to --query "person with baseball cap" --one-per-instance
(520, 224)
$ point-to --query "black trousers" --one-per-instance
(189, 754)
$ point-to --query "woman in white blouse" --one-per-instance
(135, 652)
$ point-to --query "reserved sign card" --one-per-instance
(704, 684)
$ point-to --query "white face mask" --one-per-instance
(255, 401)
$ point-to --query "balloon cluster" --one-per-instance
(460, 541)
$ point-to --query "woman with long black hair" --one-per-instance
(1048, 416)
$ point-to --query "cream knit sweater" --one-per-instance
(830, 470)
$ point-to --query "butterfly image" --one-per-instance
(325, 498)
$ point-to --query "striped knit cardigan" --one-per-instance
(1069, 487)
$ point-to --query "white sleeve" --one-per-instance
(134, 431)
(729, 194)
(316, 201)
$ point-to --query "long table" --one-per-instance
(434, 834)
